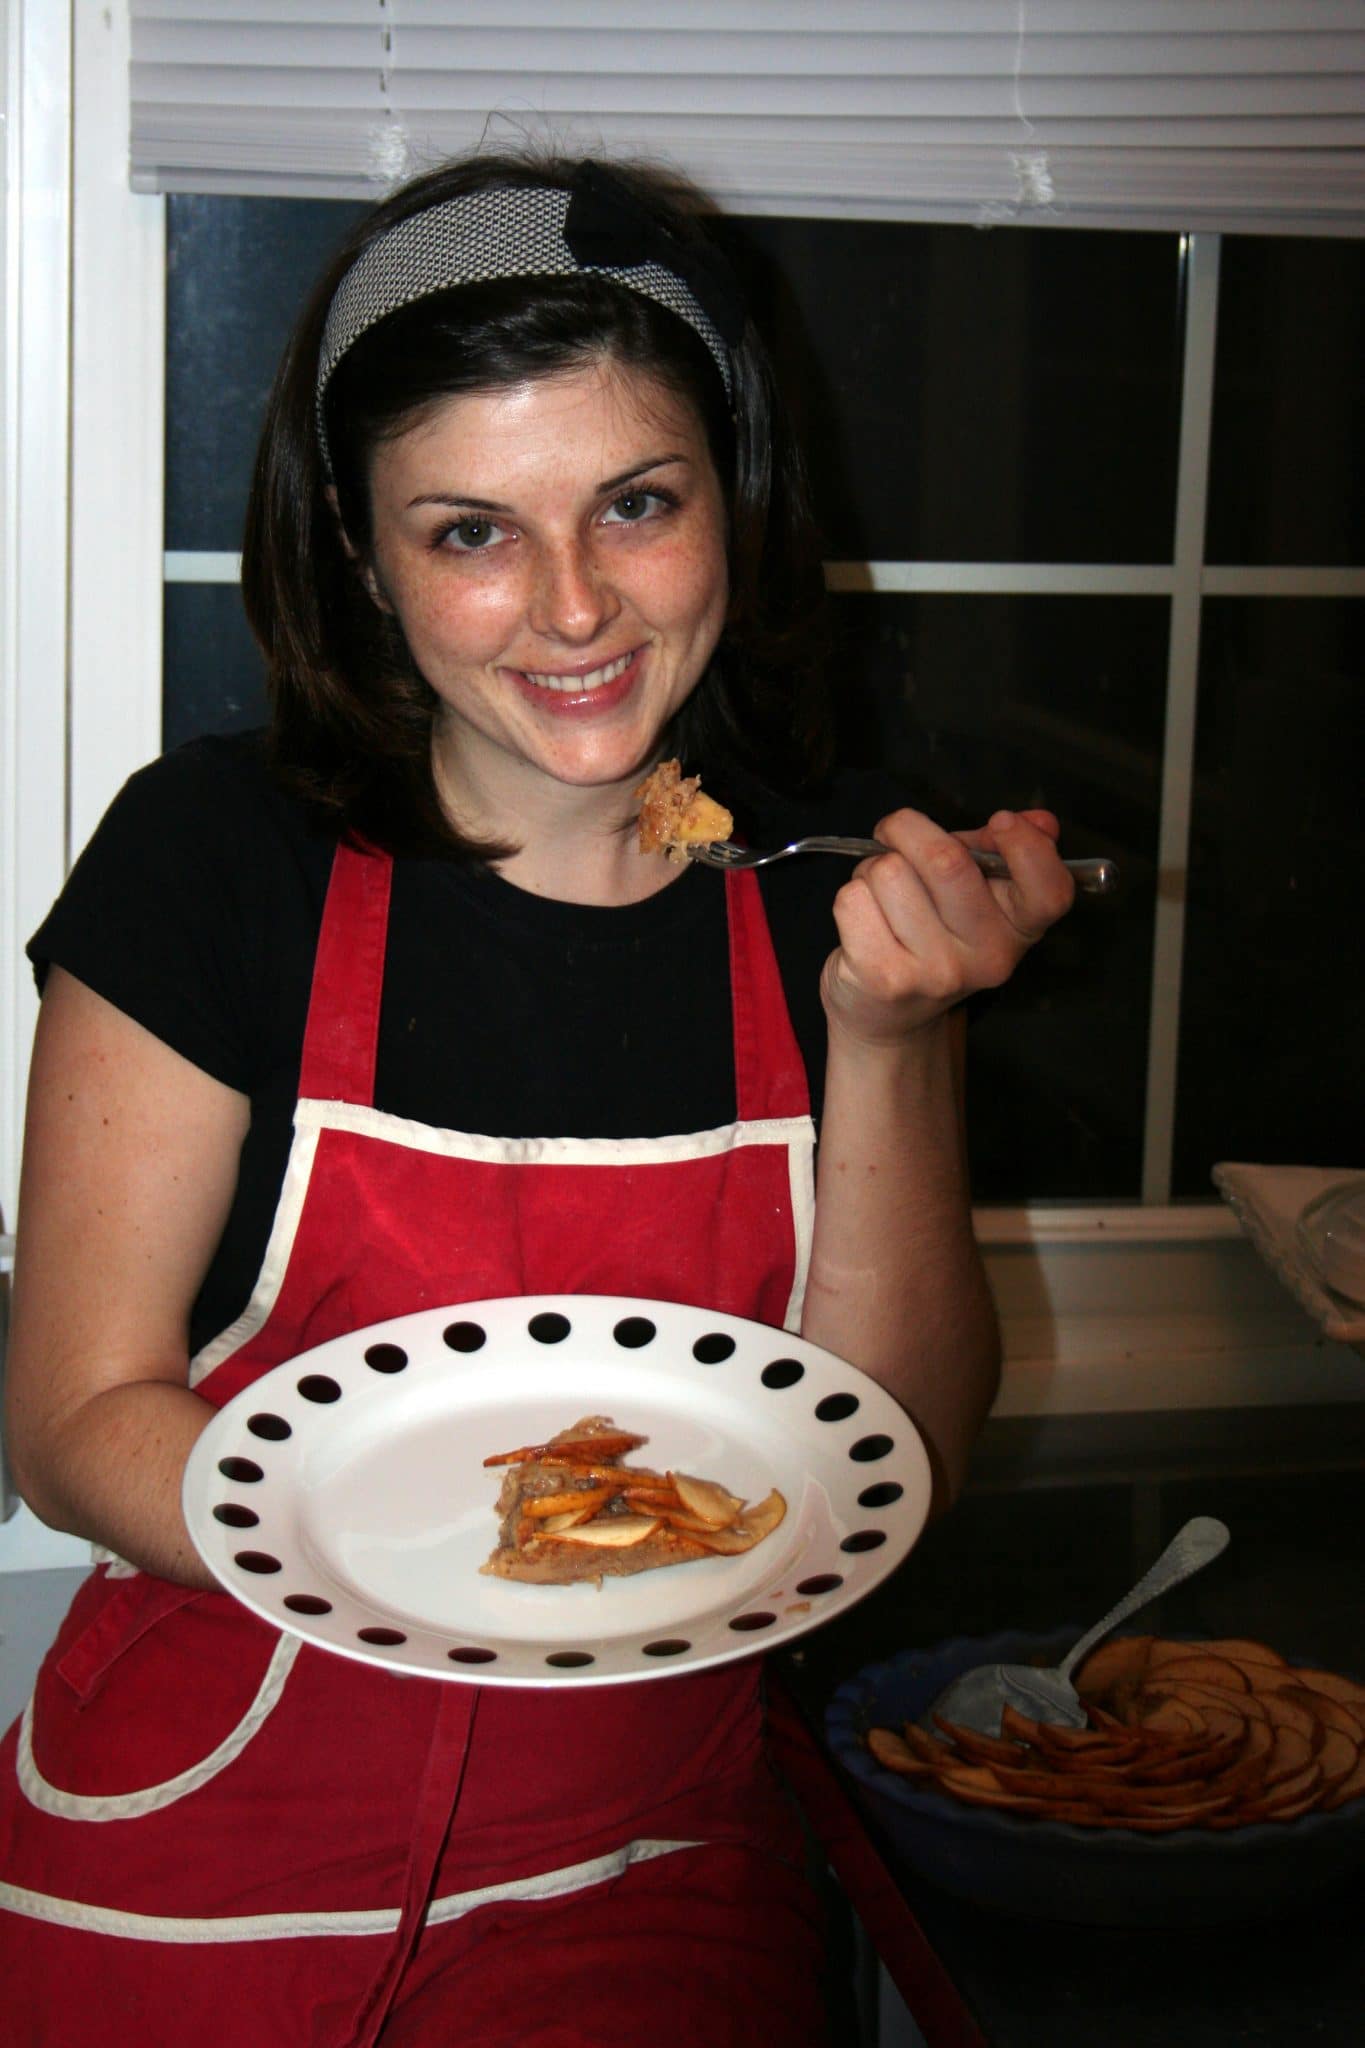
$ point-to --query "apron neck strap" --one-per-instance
(342, 1038)
(770, 1075)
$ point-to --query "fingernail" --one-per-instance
(1002, 821)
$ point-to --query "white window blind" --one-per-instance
(1227, 114)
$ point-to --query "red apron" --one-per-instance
(209, 1829)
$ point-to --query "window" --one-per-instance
(1025, 589)
(1009, 433)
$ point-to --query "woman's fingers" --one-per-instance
(1040, 889)
(935, 897)
(1046, 821)
(891, 935)
(920, 927)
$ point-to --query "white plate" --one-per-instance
(343, 1496)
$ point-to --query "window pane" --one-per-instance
(962, 395)
(977, 396)
(1273, 1003)
(214, 681)
(983, 702)
(237, 273)
(1285, 478)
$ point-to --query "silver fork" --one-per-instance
(978, 1698)
(1095, 877)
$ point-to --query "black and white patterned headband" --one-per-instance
(595, 227)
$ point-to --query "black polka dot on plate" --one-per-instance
(714, 1348)
(386, 1358)
(864, 1539)
(634, 1331)
(307, 1603)
(569, 1660)
(244, 1470)
(383, 1638)
(273, 1428)
(783, 1372)
(320, 1387)
(257, 1561)
(549, 1327)
(881, 1495)
(472, 1656)
(747, 1622)
(869, 1448)
(668, 1646)
(233, 1516)
(836, 1407)
(465, 1336)
(823, 1582)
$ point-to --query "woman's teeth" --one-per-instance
(577, 685)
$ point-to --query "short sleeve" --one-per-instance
(193, 890)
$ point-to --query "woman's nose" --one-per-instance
(572, 600)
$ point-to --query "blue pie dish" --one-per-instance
(1050, 1870)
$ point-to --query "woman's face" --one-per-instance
(555, 553)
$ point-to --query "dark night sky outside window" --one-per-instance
(977, 397)
(1286, 476)
(1273, 1016)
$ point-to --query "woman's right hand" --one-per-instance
(130, 1163)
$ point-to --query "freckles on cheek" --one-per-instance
(465, 625)
(692, 582)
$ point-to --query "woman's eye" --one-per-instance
(632, 506)
(473, 536)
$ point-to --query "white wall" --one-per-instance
(80, 518)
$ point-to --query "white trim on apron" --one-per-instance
(97, 1806)
(549, 1884)
(311, 1118)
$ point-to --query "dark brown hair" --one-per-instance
(351, 717)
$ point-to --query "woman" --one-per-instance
(524, 522)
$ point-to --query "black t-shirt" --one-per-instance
(196, 908)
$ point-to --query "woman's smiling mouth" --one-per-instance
(581, 691)
(593, 679)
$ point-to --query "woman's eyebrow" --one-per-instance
(613, 483)
(472, 504)
(457, 498)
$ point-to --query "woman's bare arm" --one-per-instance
(130, 1162)
(896, 1283)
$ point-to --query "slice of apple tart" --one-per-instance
(570, 1509)
(675, 815)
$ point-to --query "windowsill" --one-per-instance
(1061, 1223)
(1133, 1310)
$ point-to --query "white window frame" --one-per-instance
(1105, 1310)
(81, 525)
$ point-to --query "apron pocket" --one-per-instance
(149, 1692)
(134, 1606)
